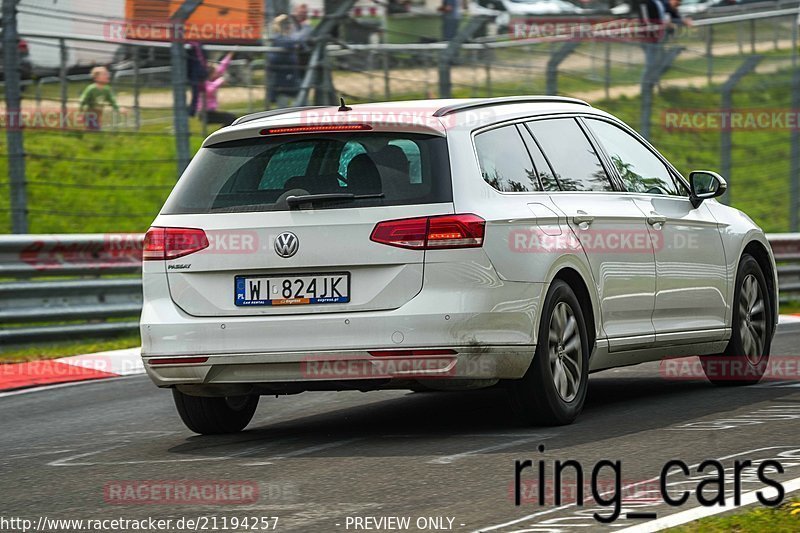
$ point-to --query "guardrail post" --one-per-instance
(748, 66)
(794, 176)
(16, 150)
(137, 112)
(739, 34)
(267, 103)
(387, 82)
(607, 73)
(62, 77)
(249, 80)
(561, 53)
(487, 67)
(37, 92)
(371, 74)
(709, 53)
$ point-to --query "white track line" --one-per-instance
(447, 459)
(696, 513)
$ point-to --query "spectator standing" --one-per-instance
(95, 96)
(451, 14)
(653, 16)
(301, 33)
(208, 99)
(301, 28)
(196, 74)
(674, 15)
(284, 78)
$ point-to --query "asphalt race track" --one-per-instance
(320, 460)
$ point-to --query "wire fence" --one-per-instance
(720, 94)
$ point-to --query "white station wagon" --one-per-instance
(442, 245)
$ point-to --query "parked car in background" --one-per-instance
(694, 7)
(507, 10)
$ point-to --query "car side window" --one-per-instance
(546, 175)
(572, 157)
(640, 169)
(504, 160)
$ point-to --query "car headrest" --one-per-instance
(363, 176)
(392, 157)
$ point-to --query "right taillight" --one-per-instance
(432, 233)
(172, 243)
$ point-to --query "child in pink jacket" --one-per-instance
(208, 100)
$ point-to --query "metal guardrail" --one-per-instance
(69, 286)
(74, 286)
(786, 248)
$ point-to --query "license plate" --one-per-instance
(287, 289)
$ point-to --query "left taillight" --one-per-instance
(432, 233)
(172, 243)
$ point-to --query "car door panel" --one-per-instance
(608, 227)
(691, 275)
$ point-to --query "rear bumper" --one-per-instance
(323, 369)
(489, 322)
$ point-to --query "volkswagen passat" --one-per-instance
(443, 244)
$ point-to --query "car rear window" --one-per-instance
(259, 174)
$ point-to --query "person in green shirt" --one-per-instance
(94, 96)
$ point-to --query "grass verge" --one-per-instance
(64, 349)
(782, 519)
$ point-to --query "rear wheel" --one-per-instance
(209, 416)
(553, 390)
(746, 357)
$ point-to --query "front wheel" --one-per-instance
(210, 416)
(553, 390)
(746, 357)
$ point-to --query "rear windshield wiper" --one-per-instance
(295, 201)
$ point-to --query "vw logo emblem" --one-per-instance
(286, 244)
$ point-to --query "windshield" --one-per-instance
(366, 169)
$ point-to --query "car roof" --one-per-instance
(432, 116)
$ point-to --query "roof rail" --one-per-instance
(455, 108)
(273, 113)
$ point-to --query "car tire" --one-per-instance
(213, 416)
(553, 390)
(746, 357)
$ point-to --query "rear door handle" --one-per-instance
(656, 221)
(583, 219)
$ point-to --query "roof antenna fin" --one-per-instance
(344, 107)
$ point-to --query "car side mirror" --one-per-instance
(705, 184)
